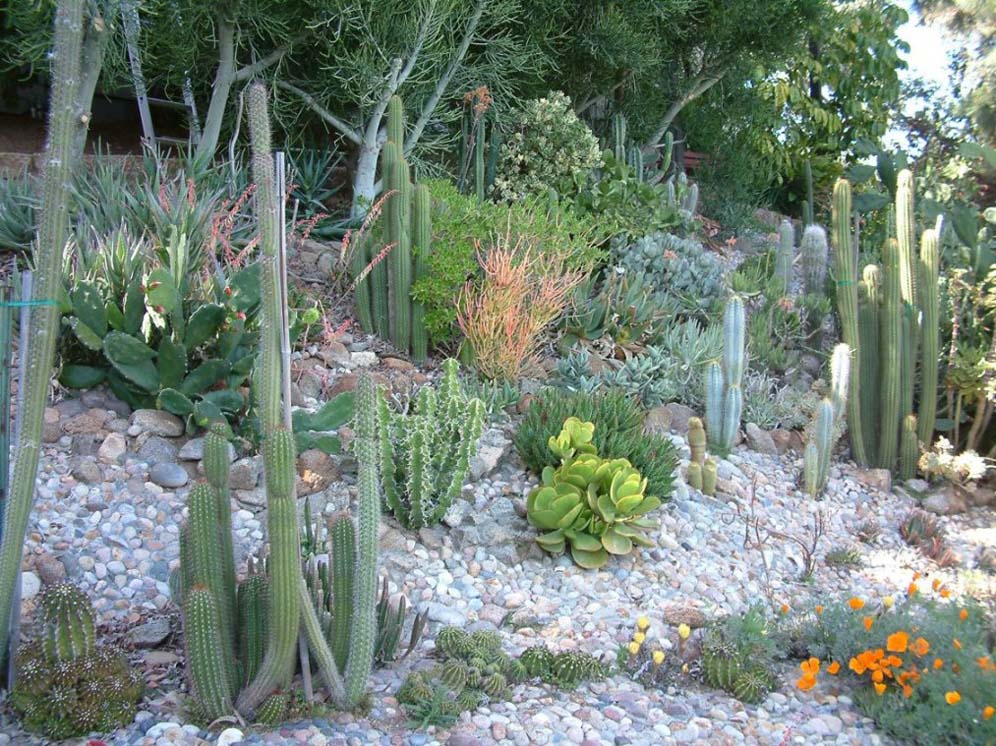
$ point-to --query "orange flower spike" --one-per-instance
(963, 614)
(987, 712)
(868, 621)
(952, 697)
(879, 689)
(938, 663)
(856, 603)
(833, 668)
(897, 642)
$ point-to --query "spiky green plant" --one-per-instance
(822, 433)
(930, 332)
(693, 475)
(814, 252)
(697, 440)
(723, 394)
(785, 256)
(39, 354)
(809, 204)
(67, 623)
(426, 453)
(253, 601)
(709, 476)
(206, 665)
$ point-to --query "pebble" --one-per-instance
(168, 474)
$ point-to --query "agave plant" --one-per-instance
(597, 506)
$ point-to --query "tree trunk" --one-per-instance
(220, 90)
(365, 177)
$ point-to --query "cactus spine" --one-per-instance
(53, 229)
(813, 249)
(785, 256)
(724, 397)
(930, 307)
(847, 304)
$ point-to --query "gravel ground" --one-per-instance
(102, 523)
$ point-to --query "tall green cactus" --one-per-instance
(39, 355)
(399, 237)
(909, 448)
(363, 622)
(830, 411)
(724, 395)
(253, 599)
(847, 304)
(814, 252)
(930, 333)
(284, 614)
(342, 551)
(809, 205)
(67, 623)
(870, 301)
(785, 256)
(696, 440)
(479, 145)
(891, 360)
(421, 242)
(217, 466)
(619, 137)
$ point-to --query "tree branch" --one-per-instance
(423, 32)
(250, 71)
(700, 84)
(430, 105)
(348, 132)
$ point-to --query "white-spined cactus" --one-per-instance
(723, 394)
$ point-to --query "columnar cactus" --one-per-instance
(205, 653)
(696, 440)
(827, 423)
(217, 466)
(847, 304)
(813, 249)
(809, 205)
(693, 475)
(421, 243)
(67, 623)
(399, 237)
(619, 137)
(710, 473)
(723, 395)
(785, 256)
(342, 550)
(253, 600)
(930, 333)
(39, 355)
(891, 358)
(909, 448)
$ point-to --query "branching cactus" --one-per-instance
(426, 452)
(723, 395)
(785, 257)
(813, 249)
(67, 623)
(39, 355)
(827, 424)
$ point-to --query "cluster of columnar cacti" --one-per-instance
(480, 145)
(889, 318)
(331, 583)
(384, 302)
(632, 154)
(66, 685)
(426, 452)
(39, 354)
(701, 473)
(827, 423)
(723, 393)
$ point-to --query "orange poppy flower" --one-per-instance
(952, 698)
(957, 643)
(912, 588)
(856, 603)
(907, 691)
(936, 584)
(868, 621)
(879, 689)
(819, 609)
(897, 642)
(806, 682)
(878, 675)
(894, 661)
(833, 668)
(938, 663)
(810, 667)
(916, 575)
(785, 608)
(987, 713)
(984, 663)
(945, 592)
(963, 614)
(921, 646)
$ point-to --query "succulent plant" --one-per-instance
(67, 623)
(595, 506)
(736, 656)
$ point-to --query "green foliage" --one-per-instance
(18, 207)
(550, 149)
(955, 634)
(317, 429)
(426, 452)
(618, 421)
(683, 277)
(97, 692)
(594, 505)
(737, 656)
(461, 222)
(474, 670)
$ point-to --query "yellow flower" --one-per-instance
(639, 637)
(888, 601)
(952, 698)
(642, 623)
(633, 648)
(879, 688)
(684, 631)
(658, 657)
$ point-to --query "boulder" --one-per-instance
(155, 422)
(760, 440)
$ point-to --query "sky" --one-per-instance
(928, 55)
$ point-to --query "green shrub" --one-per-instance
(938, 655)
(550, 149)
(461, 224)
(618, 420)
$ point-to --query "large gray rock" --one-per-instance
(155, 422)
(168, 474)
(151, 634)
(492, 446)
(245, 473)
(156, 449)
(112, 449)
(760, 440)
(948, 500)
